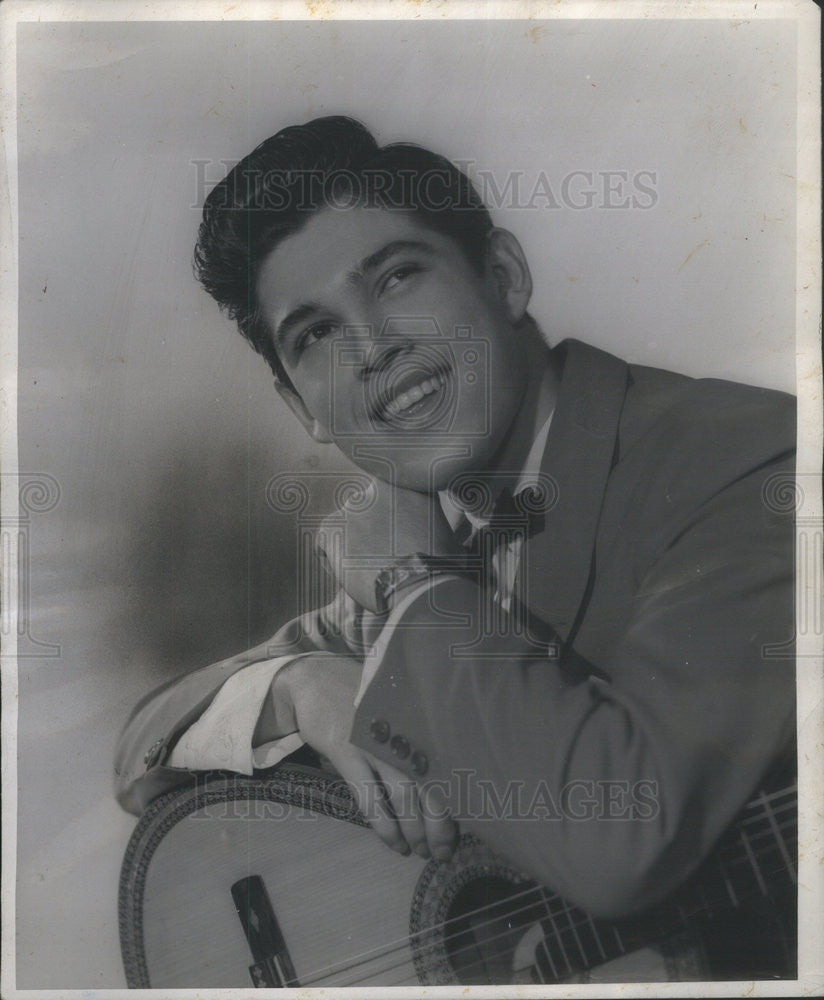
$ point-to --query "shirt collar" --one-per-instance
(529, 476)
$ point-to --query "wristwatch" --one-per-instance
(409, 570)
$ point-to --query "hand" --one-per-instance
(375, 529)
(317, 693)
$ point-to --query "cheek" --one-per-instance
(316, 381)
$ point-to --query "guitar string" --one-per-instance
(560, 931)
(402, 943)
(762, 803)
(487, 907)
(573, 926)
(565, 911)
(379, 973)
(477, 965)
(406, 942)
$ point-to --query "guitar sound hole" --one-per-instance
(487, 920)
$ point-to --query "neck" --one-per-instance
(539, 401)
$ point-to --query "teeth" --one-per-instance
(405, 399)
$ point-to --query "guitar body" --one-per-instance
(277, 881)
(336, 894)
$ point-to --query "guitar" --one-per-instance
(277, 881)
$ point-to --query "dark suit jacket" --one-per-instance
(664, 576)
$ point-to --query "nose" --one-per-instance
(379, 356)
(390, 336)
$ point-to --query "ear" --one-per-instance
(295, 403)
(510, 272)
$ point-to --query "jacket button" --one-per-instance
(420, 765)
(153, 753)
(379, 730)
(400, 747)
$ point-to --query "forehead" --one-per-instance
(320, 257)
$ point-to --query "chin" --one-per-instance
(441, 466)
(426, 468)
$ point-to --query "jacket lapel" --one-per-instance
(579, 455)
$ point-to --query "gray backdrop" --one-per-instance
(161, 428)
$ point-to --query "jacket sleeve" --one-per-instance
(610, 791)
(141, 771)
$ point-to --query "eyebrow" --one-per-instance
(368, 264)
(379, 257)
(292, 319)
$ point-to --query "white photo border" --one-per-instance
(808, 269)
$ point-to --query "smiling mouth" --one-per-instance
(413, 394)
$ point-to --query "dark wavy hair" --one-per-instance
(331, 162)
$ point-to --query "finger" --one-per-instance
(403, 798)
(372, 801)
(441, 830)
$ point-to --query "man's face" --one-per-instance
(401, 353)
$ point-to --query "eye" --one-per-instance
(398, 275)
(315, 333)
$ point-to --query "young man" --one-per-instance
(563, 580)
